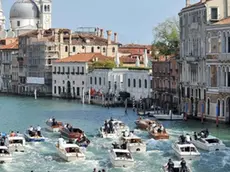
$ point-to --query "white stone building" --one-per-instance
(136, 81)
(218, 70)
(193, 21)
(70, 75)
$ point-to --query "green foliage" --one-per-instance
(166, 38)
(108, 64)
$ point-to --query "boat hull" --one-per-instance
(159, 136)
(108, 135)
(137, 148)
(70, 157)
(55, 128)
(186, 155)
(16, 148)
(34, 139)
(144, 124)
(209, 147)
(6, 159)
(121, 163)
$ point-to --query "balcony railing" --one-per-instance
(224, 89)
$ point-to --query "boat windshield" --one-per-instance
(135, 141)
(123, 155)
(188, 149)
(16, 141)
(4, 151)
(212, 141)
(72, 150)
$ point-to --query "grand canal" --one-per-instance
(19, 113)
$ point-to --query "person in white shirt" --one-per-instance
(188, 139)
(39, 130)
(31, 130)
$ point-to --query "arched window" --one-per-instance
(208, 107)
(128, 82)
(113, 50)
(103, 49)
(146, 83)
(45, 8)
(92, 49)
(139, 83)
(95, 80)
(48, 8)
(74, 49)
(66, 48)
(91, 80)
(134, 83)
(223, 107)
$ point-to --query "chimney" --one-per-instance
(61, 39)
(98, 32)
(115, 37)
(188, 3)
(101, 33)
(70, 37)
(109, 33)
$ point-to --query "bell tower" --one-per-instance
(2, 18)
(45, 14)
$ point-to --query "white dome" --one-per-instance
(24, 9)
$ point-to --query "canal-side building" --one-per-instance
(218, 70)
(70, 75)
(135, 81)
(8, 61)
(193, 21)
(39, 48)
(166, 78)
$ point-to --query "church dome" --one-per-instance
(24, 9)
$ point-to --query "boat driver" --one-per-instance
(39, 130)
(170, 166)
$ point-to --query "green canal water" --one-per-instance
(18, 114)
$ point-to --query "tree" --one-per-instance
(166, 38)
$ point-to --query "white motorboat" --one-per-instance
(68, 151)
(16, 143)
(186, 150)
(54, 126)
(133, 143)
(169, 116)
(121, 158)
(5, 155)
(209, 143)
(111, 135)
(34, 137)
(118, 128)
(177, 167)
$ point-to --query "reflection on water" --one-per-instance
(19, 113)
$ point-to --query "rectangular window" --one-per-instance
(83, 70)
(228, 44)
(99, 80)
(214, 13)
(78, 91)
(55, 90)
(95, 80)
(18, 23)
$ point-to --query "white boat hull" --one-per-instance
(51, 129)
(137, 147)
(186, 155)
(69, 156)
(208, 147)
(168, 117)
(5, 158)
(121, 163)
(16, 148)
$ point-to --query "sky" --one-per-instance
(133, 20)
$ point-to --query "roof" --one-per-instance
(128, 59)
(84, 57)
(13, 45)
(121, 150)
(196, 4)
(136, 46)
(223, 21)
(185, 145)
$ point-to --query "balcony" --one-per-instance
(224, 89)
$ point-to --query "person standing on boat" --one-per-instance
(39, 131)
(106, 127)
(183, 165)
(111, 126)
(195, 136)
(31, 130)
(170, 166)
(53, 121)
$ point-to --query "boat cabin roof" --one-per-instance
(131, 137)
(16, 138)
(121, 151)
(68, 145)
(185, 145)
(3, 147)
